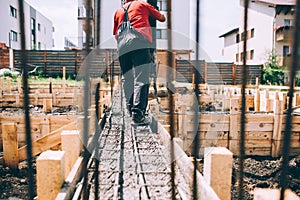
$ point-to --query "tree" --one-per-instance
(272, 72)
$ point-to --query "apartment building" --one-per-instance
(38, 28)
(270, 24)
(183, 25)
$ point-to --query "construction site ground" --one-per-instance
(262, 172)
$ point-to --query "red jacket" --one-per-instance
(139, 13)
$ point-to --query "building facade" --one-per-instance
(269, 29)
(183, 25)
(38, 29)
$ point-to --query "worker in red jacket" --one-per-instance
(135, 64)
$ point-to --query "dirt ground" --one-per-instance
(259, 172)
(263, 172)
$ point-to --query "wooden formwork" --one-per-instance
(264, 128)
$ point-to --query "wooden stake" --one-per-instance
(71, 144)
(10, 145)
(8, 85)
(19, 85)
(276, 138)
(47, 105)
(50, 174)
(218, 170)
(234, 126)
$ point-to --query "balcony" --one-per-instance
(284, 34)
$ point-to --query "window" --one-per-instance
(242, 55)
(13, 12)
(237, 57)
(242, 36)
(39, 27)
(33, 34)
(162, 5)
(39, 46)
(286, 51)
(237, 38)
(13, 36)
(252, 33)
(252, 54)
(287, 22)
(161, 34)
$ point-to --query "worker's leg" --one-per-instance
(128, 81)
(141, 61)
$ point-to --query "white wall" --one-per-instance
(10, 23)
(261, 19)
(182, 28)
(44, 36)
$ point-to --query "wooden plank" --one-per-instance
(46, 142)
(186, 167)
(258, 117)
(258, 127)
(71, 181)
(10, 145)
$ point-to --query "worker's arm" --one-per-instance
(162, 18)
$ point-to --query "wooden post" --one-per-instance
(234, 125)
(218, 170)
(50, 85)
(47, 105)
(10, 145)
(256, 83)
(36, 98)
(71, 144)
(276, 137)
(1, 89)
(19, 85)
(273, 194)
(50, 174)
(45, 126)
(18, 100)
(64, 73)
(1, 83)
(8, 85)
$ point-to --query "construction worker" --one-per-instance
(135, 63)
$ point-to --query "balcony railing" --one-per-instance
(284, 34)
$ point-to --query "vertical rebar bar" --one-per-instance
(86, 78)
(97, 131)
(289, 119)
(170, 92)
(31, 182)
(243, 109)
(196, 104)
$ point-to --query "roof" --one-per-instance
(235, 30)
(278, 2)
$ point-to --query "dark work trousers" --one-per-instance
(135, 66)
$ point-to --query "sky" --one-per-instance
(217, 17)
